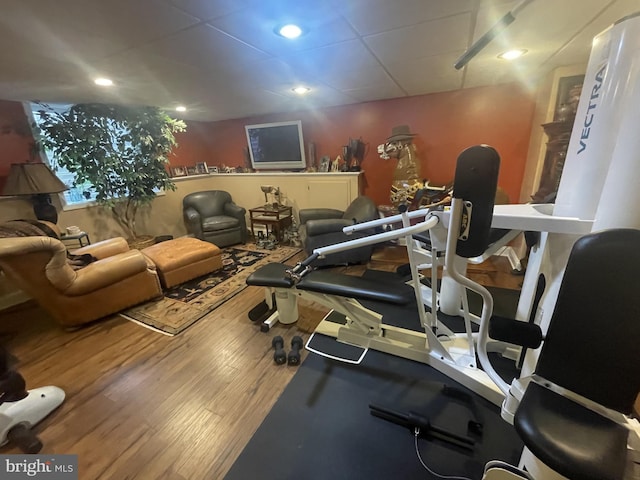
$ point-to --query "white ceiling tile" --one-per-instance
(428, 74)
(359, 77)
(536, 23)
(578, 49)
(159, 52)
(208, 9)
(422, 40)
(204, 47)
(375, 16)
(256, 26)
(331, 59)
(375, 92)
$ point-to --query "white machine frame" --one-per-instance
(454, 355)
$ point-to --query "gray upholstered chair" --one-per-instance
(320, 227)
(212, 216)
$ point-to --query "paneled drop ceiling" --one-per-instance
(222, 59)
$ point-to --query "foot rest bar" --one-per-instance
(334, 357)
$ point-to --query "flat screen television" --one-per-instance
(276, 146)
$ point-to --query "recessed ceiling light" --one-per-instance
(512, 54)
(289, 31)
(103, 82)
(301, 90)
(181, 108)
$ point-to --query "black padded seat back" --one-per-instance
(476, 181)
(592, 346)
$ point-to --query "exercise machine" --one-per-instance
(453, 354)
(597, 194)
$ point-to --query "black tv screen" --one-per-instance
(276, 146)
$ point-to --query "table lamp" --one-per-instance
(38, 181)
(266, 189)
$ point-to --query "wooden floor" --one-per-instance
(147, 406)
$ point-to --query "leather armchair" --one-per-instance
(214, 217)
(320, 227)
(119, 279)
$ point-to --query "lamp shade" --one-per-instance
(32, 179)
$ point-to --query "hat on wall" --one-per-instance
(401, 132)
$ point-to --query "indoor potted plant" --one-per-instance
(122, 151)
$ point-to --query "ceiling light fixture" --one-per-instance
(181, 108)
(493, 32)
(289, 31)
(103, 82)
(512, 54)
(301, 90)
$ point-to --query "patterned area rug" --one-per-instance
(185, 304)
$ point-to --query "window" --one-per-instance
(78, 194)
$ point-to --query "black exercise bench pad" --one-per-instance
(356, 287)
(571, 439)
(271, 275)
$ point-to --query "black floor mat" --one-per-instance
(321, 426)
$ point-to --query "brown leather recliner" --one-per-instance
(119, 279)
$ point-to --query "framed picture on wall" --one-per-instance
(178, 172)
(201, 168)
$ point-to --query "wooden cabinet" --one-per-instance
(298, 190)
(558, 133)
(556, 102)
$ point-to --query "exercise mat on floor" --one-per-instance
(321, 426)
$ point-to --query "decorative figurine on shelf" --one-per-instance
(353, 154)
(335, 165)
(324, 164)
(406, 177)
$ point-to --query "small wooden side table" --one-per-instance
(275, 218)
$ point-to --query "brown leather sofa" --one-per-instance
(120, 278)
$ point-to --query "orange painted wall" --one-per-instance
(445, 124)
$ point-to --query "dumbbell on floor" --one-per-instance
(294, 355)
(279, 356)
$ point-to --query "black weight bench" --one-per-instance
(330, 283)
(338, 291)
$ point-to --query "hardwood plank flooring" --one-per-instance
(142, 405)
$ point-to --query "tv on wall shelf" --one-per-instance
(276, 146)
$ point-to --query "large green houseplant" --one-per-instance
(122, 151)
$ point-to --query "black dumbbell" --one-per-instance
(294, 354)
(279, 356)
